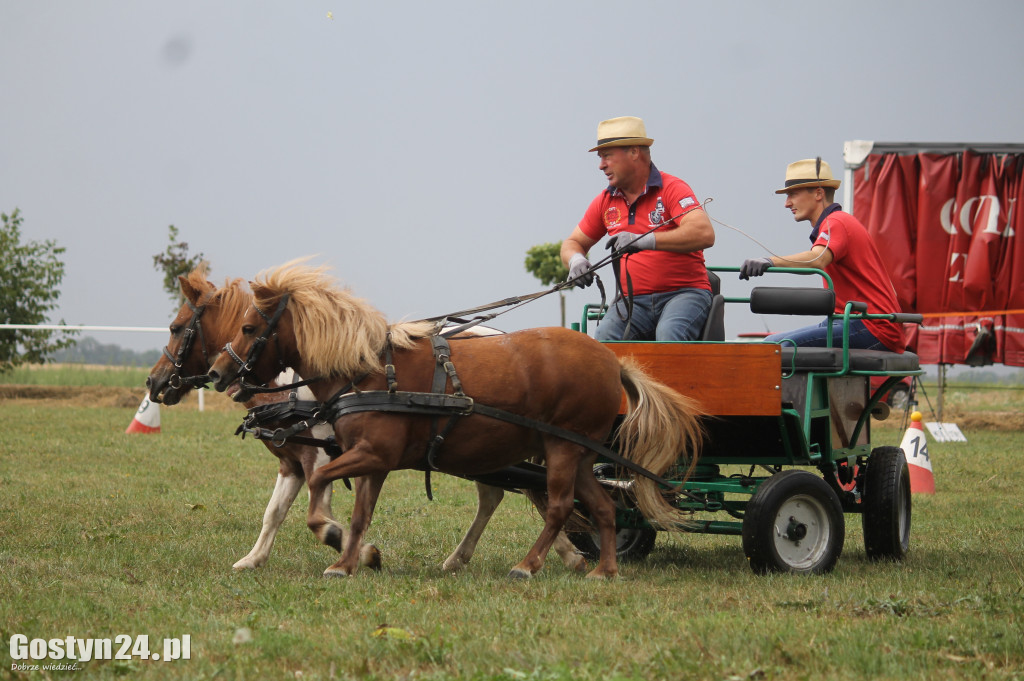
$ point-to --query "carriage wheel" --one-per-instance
(793, 523)
(886, 502)
(631, 545)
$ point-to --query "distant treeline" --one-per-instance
(90, 351)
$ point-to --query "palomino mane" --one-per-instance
(233, 299)
(336, 332)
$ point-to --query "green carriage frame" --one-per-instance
(806, 452)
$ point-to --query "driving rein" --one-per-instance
(436, 404)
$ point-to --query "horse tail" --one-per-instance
(660, 427)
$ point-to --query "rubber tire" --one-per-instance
(806, 497)
(631, 545)
(886, 502)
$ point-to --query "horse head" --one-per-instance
(198, 331)
(257, 352)
(301, 318)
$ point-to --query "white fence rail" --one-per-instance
(80, 327)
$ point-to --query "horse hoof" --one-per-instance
(370, 556)
(336, 572)
(334, 537)
(581, 566)
(519, 573)
(594, 574)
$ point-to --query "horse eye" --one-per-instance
(175, 329)
(248, 329)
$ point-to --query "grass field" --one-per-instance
(105, 534)
(76, 374)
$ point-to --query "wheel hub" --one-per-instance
(796, 530)
(802, 531)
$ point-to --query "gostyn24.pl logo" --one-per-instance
(67, 652)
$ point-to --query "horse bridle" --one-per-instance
(270, 331)
(194, 328)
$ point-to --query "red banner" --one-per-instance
(946, 225)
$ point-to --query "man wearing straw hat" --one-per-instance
(659, 229)
(842, 247)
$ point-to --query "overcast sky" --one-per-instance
(421, 148)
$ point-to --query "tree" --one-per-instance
(175, 261)
(29, 276)
(544, 261)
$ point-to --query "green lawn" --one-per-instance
(105, 534)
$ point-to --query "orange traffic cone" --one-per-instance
(147, 418)
(915, 446)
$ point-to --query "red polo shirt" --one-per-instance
(858, 273)
(665, 197)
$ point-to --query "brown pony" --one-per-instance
(220, 311)
(302, 319)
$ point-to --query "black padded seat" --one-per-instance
(714, 325)
(831, 359)
(793, 301)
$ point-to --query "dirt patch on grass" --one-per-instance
(993, 420)
(79, 396)
(130, 398)
(97, 396)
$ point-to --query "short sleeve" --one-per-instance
(593, 221)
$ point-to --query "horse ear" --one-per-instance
(187, 289)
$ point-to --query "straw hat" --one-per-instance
(624, 131)
(810, 172)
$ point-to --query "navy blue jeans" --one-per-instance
(814, 336)
(669, 316)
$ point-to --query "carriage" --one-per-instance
(788, 448)
(784, 433)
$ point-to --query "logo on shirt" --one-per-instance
(687, 202)
(657, 216)
(612, 217)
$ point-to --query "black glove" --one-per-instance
(755, 267)
(578, 267)
(627, 242)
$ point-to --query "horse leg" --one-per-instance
(570, 555)
(285, 490)
(566, 550)
(562, 460)
(322, 523)
(488, 499)
(367, 489)
(602, 511)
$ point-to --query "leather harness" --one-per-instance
(437, 403)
